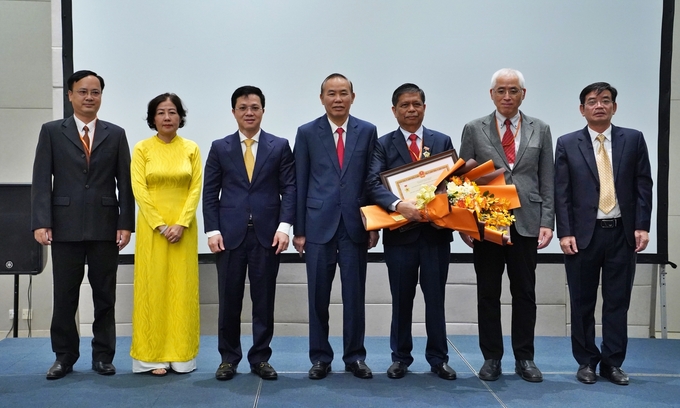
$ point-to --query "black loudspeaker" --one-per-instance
(19, 251)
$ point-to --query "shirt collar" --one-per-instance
(418, 132)
(80, 125)
(334, 127)
(501, 119)
(607, 134)
(256, 138)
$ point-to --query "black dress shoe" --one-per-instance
(586, 374)
(359, 369)
(528, 371)
(398, 369)
(319, 370)
(490, 371)
(444, 371)
(58, 370)
(264, 370)
(614, 374)
(225, 371)
(103, 368)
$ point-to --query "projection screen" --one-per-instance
(202, 50)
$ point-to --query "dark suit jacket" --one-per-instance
(229, 199)
(77, 202)
(577, 184)
(532, 173)
(390, 152)
(325, 193)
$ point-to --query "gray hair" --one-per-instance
(508, 72)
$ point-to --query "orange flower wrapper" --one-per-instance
(441, 212)
(375, 218)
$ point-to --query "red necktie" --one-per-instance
(413, 147)
(509, 142)
(86, 143)
(341, 146)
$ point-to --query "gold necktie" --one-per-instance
(249, 159)
(604, 169)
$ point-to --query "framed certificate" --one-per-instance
(405, 181)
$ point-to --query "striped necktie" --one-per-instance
(509, 142)
(86, 143)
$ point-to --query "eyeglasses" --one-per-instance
(593, 102)
(511, 91)
(95, 93)
(244, 109)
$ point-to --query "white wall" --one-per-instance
(25, 103)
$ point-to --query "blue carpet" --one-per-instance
(652, 365)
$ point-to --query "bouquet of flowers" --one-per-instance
(492, 211)
(469, 198)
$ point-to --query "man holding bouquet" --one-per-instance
(415, 246)
(521, 145)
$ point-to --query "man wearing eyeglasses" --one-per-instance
(603, 203)
(522, 146)
(82, 205)
(248, 209)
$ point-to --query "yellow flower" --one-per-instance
(463, 193)
(490, 209)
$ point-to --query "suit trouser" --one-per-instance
(262, 266)
(322, 260)
(609, 251)
(490, 261)
(68, 269)
(403, 262)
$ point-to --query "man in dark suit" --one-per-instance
(521, 145)
(82, 205)
(248, 208)
(417, 245)
(331, 159)
(603, 203)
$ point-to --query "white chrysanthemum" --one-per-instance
(467, 188)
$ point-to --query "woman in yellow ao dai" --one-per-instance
(166, 181)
